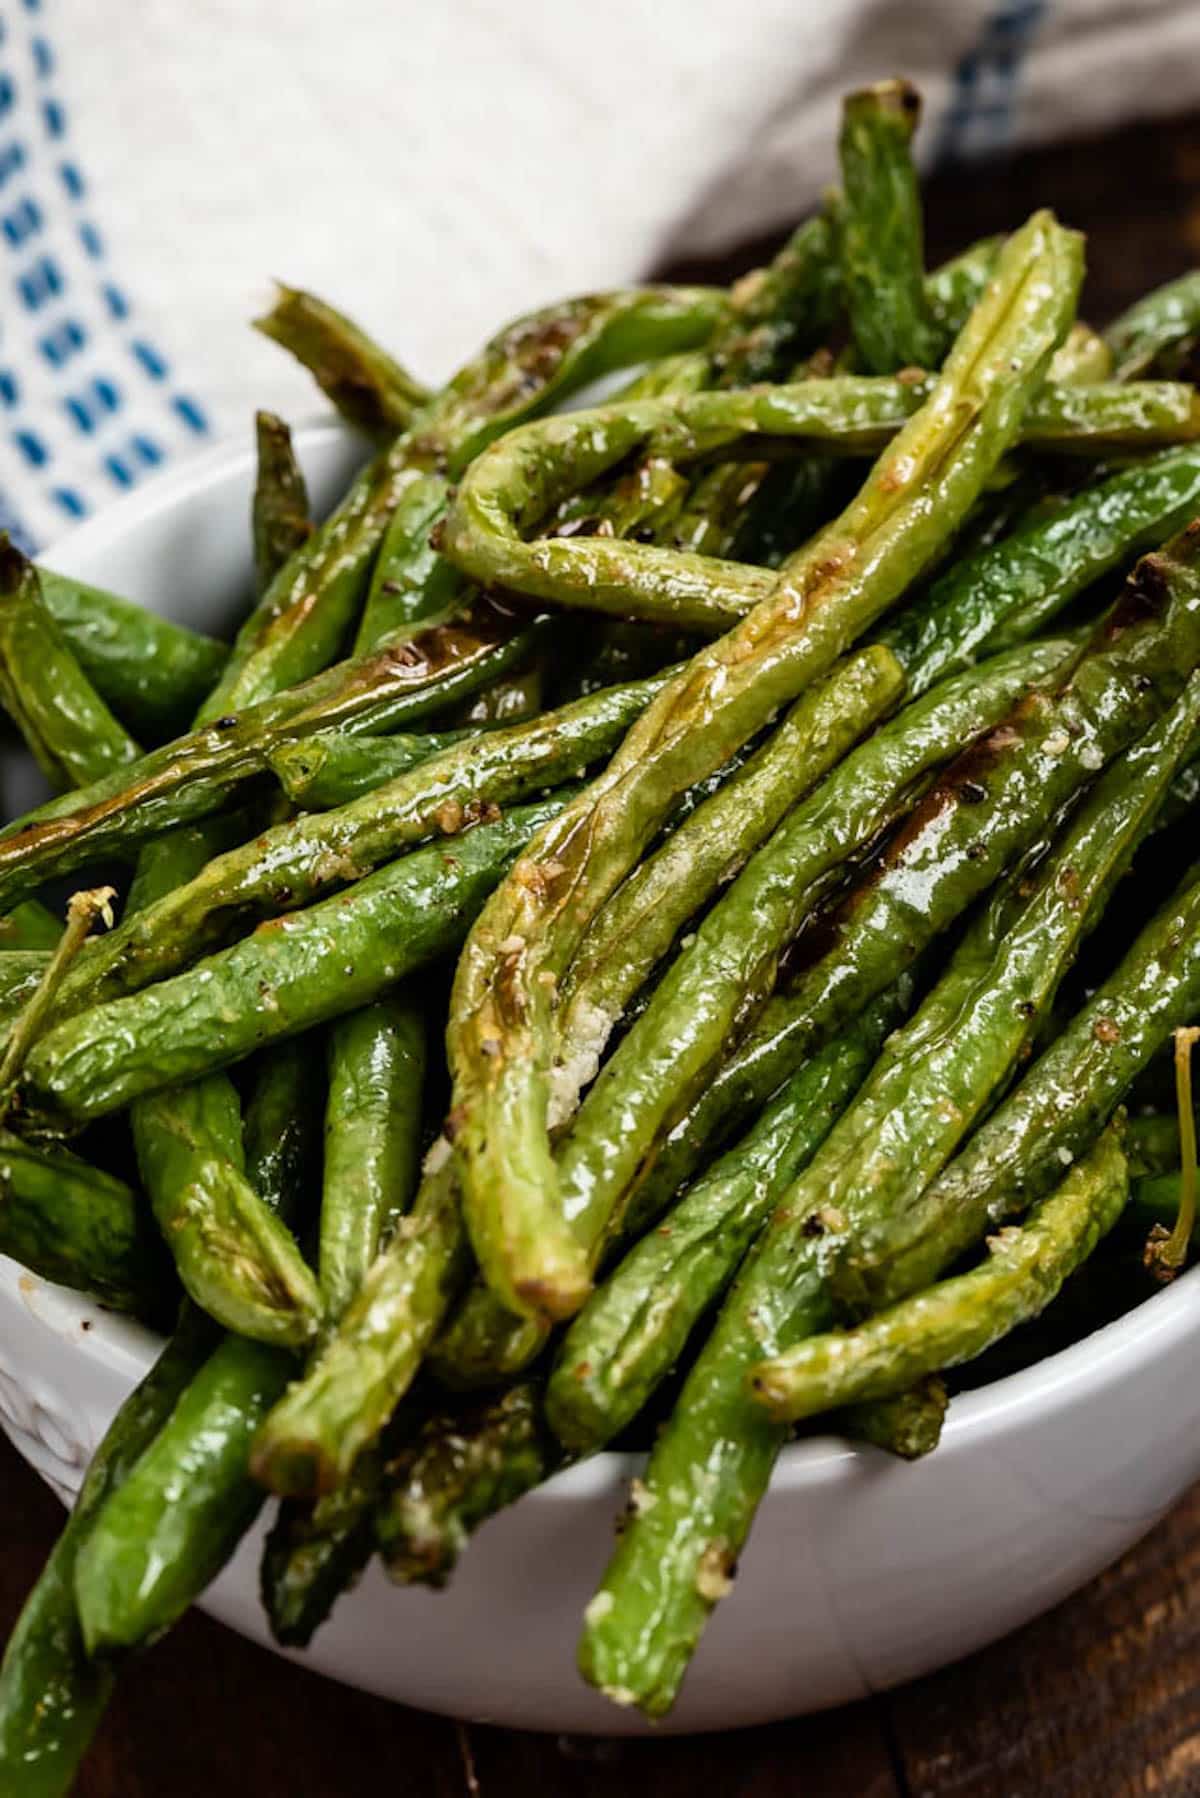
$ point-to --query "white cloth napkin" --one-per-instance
(435, 169)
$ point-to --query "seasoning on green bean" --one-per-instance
(957, 1319)
(459, 1470)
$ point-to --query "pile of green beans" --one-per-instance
(743, 1003)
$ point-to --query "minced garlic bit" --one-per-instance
(713, 1580)
(439, 1154)
(599, 1607)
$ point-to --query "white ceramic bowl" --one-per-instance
(861, 1571)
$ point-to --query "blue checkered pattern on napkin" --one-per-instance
(89, 403)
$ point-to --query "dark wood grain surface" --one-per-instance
(1099, 1699)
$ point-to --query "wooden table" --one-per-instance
(1100, 1699)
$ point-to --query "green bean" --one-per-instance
(1162, 325)
(77, 1226)
(52, 1695)
(167, 1531)
(66, 725)
(283, 1131)
(314, 1436)
(1151, 1146)
(309, 609)
(292, 973)
(315, 1552)
(1008, 591)
(279, 514)
(513, 699)
(1154, 1201)
(331, 769)
(830, 593)
(188, 1498)
(1181, 798)
(21, 973)
(776, 313)
(1051, 1118)
(29, 925)
(953, 288)
(312, 1553)
(409, 581)
(151, 672)
(636, 1324)
(880, 237)
(194, 776)
(370, 389)
(299, 860)
(1083, 357)
(372, 1132)
(282, 1128)
(235, 1258)
(536, 467)
(908, 1425)
(956, 1319)
(458, 1471)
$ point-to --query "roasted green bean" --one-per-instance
(957, 1319)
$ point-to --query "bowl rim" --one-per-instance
(1083, 1370)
